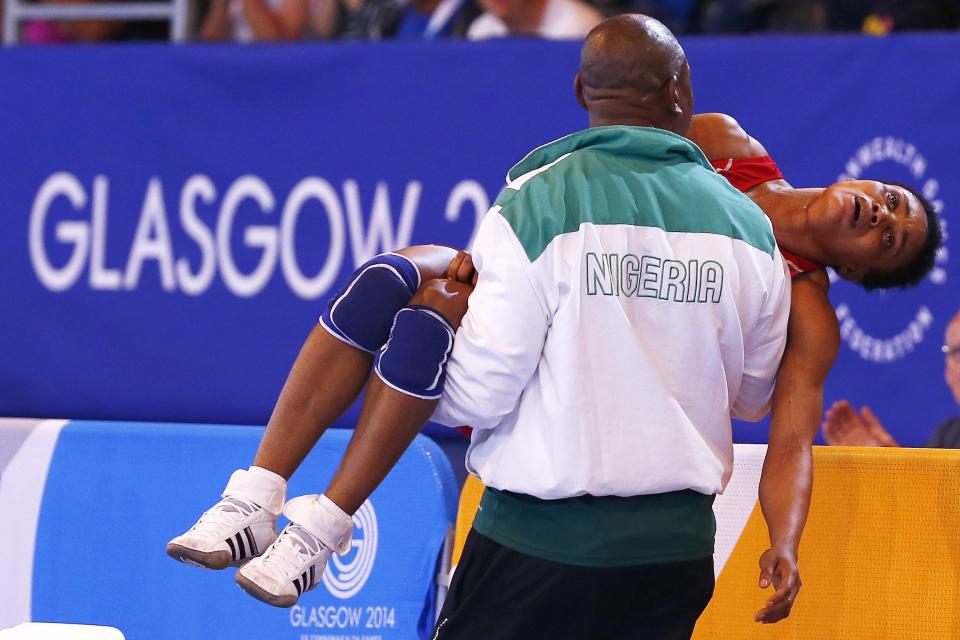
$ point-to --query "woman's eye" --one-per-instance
(892, 200)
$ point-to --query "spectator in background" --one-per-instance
(396, 19)
(428, 19)
(741, 16)
(250, 20)
(676, 14)
(89, 31)
(884, 16)
(844, 426)
(876, 17)
(551, 19)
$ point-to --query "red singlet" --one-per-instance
(746, 173)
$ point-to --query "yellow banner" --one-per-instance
(880, 556)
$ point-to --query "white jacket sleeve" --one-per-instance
(763, 345)
(500, 341)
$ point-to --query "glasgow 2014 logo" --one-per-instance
(345, 575)
(906, 158)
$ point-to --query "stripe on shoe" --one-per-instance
(296, 583)
(253, 545)
(243, 550)
(233, 549)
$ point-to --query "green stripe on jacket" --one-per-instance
(635, 176)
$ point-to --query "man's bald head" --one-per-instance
(633, 71)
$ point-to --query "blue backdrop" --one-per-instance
(173, 217)
(129, 488)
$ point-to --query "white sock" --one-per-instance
(319, 515)
(266, 489)
(269, 475)
(333, 507)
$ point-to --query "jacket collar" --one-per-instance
(645, 143)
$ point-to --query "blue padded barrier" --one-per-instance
(116, 492)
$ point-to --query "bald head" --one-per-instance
(633, 71)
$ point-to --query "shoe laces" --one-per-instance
(225, 513)
(294, 548)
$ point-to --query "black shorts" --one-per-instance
(500, 594)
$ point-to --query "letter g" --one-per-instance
(67, 231)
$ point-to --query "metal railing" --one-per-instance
(17, 11)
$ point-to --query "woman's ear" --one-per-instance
(851, 273)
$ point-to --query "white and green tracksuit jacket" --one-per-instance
(629, 302)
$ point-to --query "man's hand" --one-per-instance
(843, 426)
(461, 269)
(778, 567)
(449, 298)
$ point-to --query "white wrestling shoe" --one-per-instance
(235, 529)
(295, 562)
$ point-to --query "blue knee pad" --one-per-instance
(362, 313)
(414, 360)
